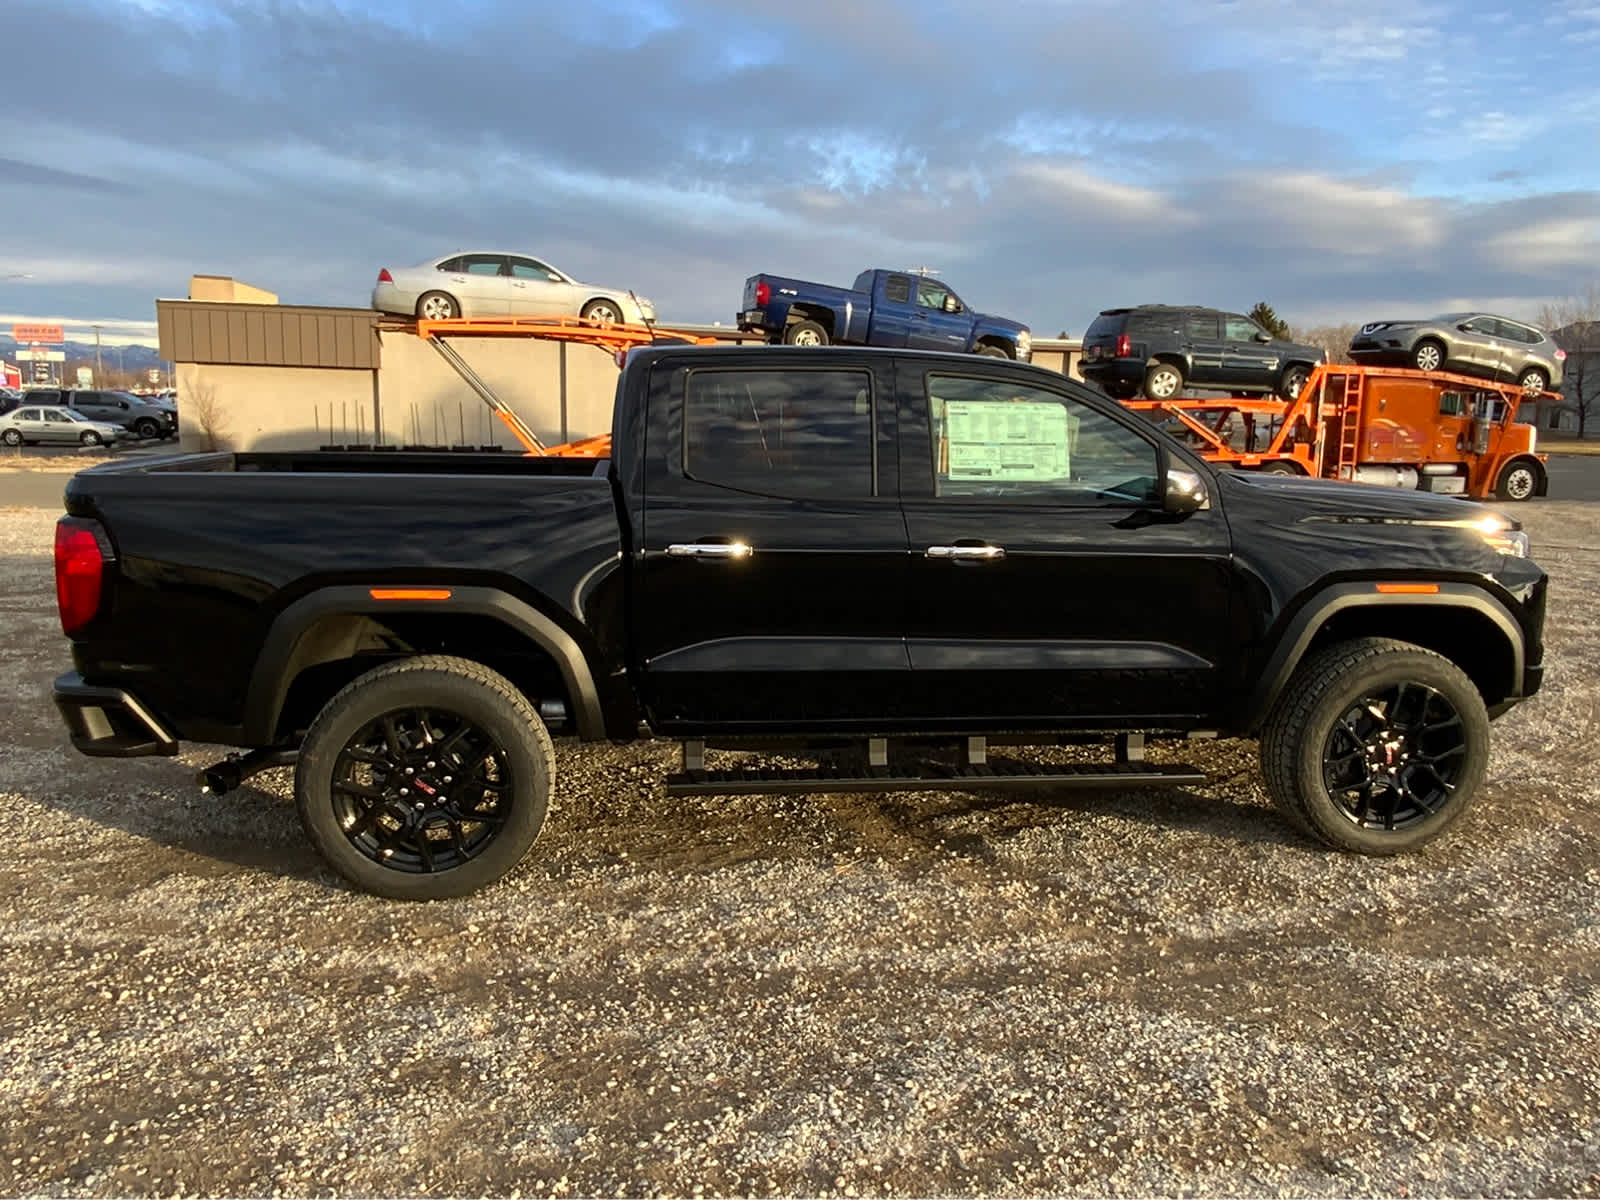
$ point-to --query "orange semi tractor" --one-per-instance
(1428, 430)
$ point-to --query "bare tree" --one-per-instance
(203, 414)
(1335, 339)
(1574, 323)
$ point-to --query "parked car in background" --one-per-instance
(494, 283)
(1163, 349)
(39, 423)
(897, 309)
(10, 398)
(116, 408)
(1474, 342)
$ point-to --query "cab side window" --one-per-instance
(794, 434)
(1024, 445)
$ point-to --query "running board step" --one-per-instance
(996, 773)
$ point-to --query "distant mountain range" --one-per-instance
(130, 358)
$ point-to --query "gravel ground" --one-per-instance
(1110, 994)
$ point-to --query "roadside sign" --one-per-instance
(52, 335)
(40, 355)
(85, 377)
(154, 375)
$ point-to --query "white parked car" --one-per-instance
(36, 423)
(494, 283)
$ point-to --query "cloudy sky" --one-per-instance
(1343, 159)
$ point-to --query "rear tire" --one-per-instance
(1376, 746)
(377, 770)
(438, 306)
(1163, 381)
(1429, 355)
(1281, 468)
(12, 437)
(1534, 382)
(805, 333)
(1518, 481)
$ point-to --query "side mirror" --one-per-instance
(1463, 327)
(1183, 491)
(952, 305)
(1263, 337)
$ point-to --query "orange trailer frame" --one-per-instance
(618, 339)
(1322, 431)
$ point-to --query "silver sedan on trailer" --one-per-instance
(495, 283)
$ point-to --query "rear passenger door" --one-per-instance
(483, 285)
(1202, 335)
(768, 574)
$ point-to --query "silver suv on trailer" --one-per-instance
(1471, 342)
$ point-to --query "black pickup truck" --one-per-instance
(890, 562)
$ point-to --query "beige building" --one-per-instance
(257, 375)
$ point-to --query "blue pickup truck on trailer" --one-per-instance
(901, 309)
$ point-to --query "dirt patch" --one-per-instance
(1110, 994)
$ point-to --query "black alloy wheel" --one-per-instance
(1394, 757)
(426, 778)
(421, 790)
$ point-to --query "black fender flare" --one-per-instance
(278, 662)
(1290, 646)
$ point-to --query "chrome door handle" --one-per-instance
(709, 550)
(973, 553)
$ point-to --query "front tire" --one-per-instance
(1163, 381)
(987, 350)
(805, 333)
(425, 779)
(1518, 481)
(90, 438)
(1293, 382)
(1429, 355)
(146, 428)
(606, 312)
(438, 306)
(1376, 746)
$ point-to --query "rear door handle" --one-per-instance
(967, 553)
(709, 550)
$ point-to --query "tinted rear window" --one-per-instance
(1106, 325)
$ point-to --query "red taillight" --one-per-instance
(384, 276)
(80, 561)
(1124, 346)
(763, 293)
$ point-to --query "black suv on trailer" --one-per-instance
(1165, 348)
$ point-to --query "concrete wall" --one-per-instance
(267, 408)
(563, 392)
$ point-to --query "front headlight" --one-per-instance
(1024, 344)
(1497, 532)
(647, 310)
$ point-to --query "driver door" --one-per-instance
(932, 328)
(1045, 583)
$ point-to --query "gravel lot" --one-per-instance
(1123, 994)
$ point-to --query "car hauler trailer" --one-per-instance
(1428, 430)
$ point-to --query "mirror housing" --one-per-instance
(1463, 327)
(1183, 491)
(952, 305)
(1263, 337)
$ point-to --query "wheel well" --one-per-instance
(999, 343)
(614, 303)
(811, 312)
(336, 649)
(1466, 637)
(1172, 360)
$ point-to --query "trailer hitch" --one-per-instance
(236, 768)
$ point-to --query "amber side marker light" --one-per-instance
(409, 593)
(1409, 589)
